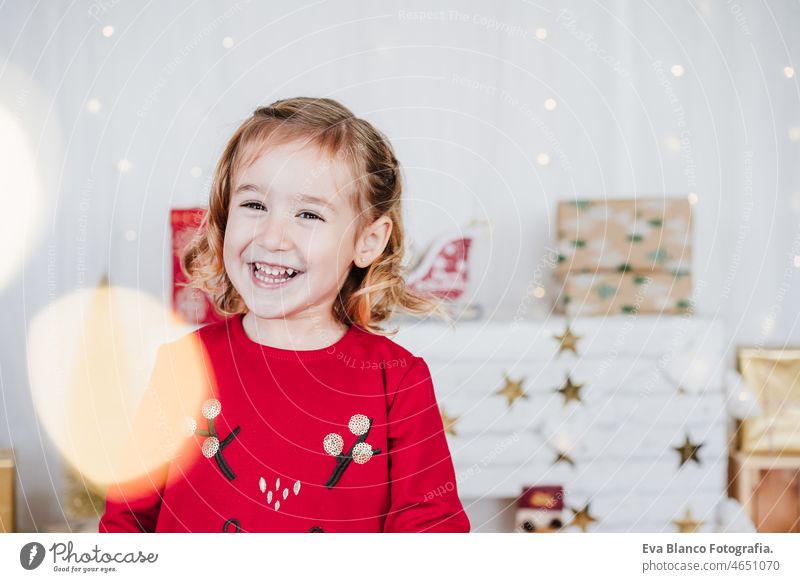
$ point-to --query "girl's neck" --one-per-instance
(293, 334)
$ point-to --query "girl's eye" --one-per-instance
(314, 216)
(253, 205)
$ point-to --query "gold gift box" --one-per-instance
(623, 293)
(774, 374)
(7, 479)
(624, 235)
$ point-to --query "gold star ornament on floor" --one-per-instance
(582, 518)
(570, 391)
(448, 422)
(512, 390)
(688, 451)
(687, 524)
(567, 341)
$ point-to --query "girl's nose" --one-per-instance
(274, 231)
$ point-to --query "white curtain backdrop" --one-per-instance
(121, 124)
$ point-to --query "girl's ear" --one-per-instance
(373, 241)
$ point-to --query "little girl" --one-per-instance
(310, 419)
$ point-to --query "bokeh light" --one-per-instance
(91, 356)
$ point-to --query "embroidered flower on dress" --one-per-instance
(191, 426)
(359, 424)
(213, 446)
(360, 452)
(333, 444)
(211, 408)
(210, 447)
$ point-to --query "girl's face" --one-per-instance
(290, 240)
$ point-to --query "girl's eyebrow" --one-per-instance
(248, 188)
(315, 200)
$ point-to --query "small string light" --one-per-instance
(227, 42)
(541, 33)
(196, 172)
(794, 133)
(677, 70)
(550, 104)
(108, 31)
(797, 261)
(131, 236)
(789, 72)
(692, 198)
(124, 166)
(539, 292)
(543, 159)
(93, 105)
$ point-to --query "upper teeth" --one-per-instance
(275, 271)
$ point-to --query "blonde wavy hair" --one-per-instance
(370, 295)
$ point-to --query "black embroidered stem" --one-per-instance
(223, 465)
(235, 523)
(343, 461)
(229, 439)
(221, 462)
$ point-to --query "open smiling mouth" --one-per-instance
(272, 276)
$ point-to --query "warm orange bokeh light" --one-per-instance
(113, 412)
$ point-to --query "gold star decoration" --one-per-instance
(562, 456)
(582, 518)
(512, 390)
(688, 451)
(567, 341)
(687, 524)
(448, 422)
(570, 391)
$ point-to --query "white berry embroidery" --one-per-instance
(212, 446)
(361, 452)
(359, 424)
(333, 444)
(211, 408)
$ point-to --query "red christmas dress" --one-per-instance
(347, 438)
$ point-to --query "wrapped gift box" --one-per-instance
(540, 509)
(610, 293)
(774, 376)
(641, 234)
(7, 479)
